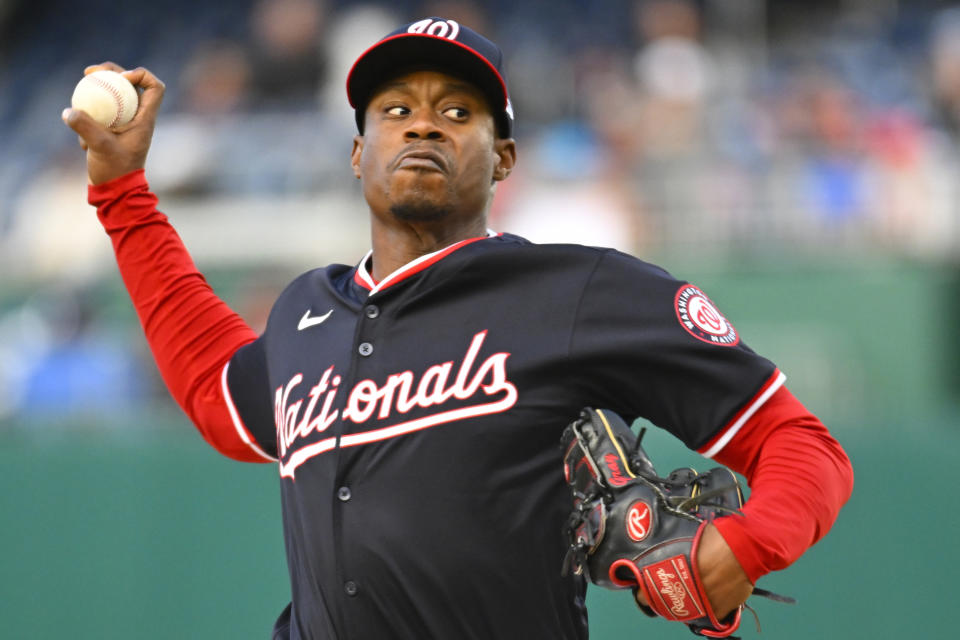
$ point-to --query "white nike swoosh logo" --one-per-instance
(306, 321)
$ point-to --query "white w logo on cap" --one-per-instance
(448, 29)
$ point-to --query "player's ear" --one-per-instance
(506, 150)
(355, 155)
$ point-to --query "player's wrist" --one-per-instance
(117, 186)
(735, 532)
(724, 581)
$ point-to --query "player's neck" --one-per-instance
(395, 245)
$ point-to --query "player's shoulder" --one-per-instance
(603, 259)
(331, 278)
(322, 285)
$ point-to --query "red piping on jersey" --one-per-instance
(361, 276)
(716, 444)
(365, 279)
(238, 424)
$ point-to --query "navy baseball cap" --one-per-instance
(433, 43)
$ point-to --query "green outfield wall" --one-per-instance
(163, 539)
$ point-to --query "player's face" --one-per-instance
(429, 151)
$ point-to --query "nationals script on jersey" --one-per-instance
(416, 423)
(400, 393)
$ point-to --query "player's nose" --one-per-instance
(424, 125)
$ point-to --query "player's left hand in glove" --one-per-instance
(630, 528)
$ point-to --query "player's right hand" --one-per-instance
(112, 153)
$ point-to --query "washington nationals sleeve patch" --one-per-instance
(700, 317)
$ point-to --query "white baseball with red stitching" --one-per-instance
(107, 97)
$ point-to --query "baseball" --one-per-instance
(107, 97)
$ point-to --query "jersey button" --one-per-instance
(343, 493)
(372, 311)
(365, 349)
(351, 588)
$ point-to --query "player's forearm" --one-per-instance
(799, 477)
(191, 332)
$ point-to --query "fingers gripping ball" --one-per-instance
(630, 528)
(107, 97)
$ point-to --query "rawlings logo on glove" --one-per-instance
(630, 528)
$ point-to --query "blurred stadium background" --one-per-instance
(798, 160)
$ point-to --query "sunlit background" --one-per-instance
(798, 160)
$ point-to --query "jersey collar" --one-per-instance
(364, 278)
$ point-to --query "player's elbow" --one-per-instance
(844, 471)
(222, 431)
(235, 449)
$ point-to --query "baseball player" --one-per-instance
(413, 402)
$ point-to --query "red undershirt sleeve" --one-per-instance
(191, 332)
(799, 478)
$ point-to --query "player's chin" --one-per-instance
(420, 210)
(421, 199)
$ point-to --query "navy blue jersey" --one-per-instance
(416, 423)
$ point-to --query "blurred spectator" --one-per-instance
(835, 183)
(567, 193)
(674, 71)
(913, 196)
(59, 363)
(660, 123)
(249, 120)
(218, 79)
(945, 68)
(351, 31)
(463, 11)
(52, 237)
(286, 53)
(213, 88)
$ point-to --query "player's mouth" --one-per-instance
(421, 160)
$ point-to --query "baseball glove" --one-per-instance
(630, 528)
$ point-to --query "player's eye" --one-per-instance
(397, 110)
(456, 113)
